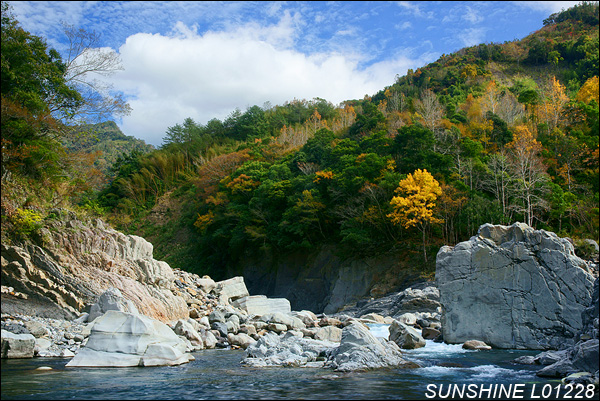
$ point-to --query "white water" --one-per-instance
(379, 330)
(434, 353)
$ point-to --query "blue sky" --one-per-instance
(204, 59)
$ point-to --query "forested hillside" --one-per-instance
(106, 144)
(494, 133)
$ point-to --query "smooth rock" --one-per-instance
(120, 339)
(241, 340)
(185, 329)
(429, 334)
(231, 289)
(261, 305)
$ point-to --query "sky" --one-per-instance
(204, 59)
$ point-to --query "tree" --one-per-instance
(490, 100)
(499, 181)
(528, 170)
(33, 76)
(414, 205)
(509, 109)
(429, 110)
(589, 91)
(85, 60)
(553, 102)
(35, 95)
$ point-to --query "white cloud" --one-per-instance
(205, 76)
(472, 36)
(472, 16)
(405, 25)
(414, 9)
(546, 6)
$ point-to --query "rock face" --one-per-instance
(78, 262)
(583, 356)
(321, 281)
(17, 345)
(120, 339)
(513, 287)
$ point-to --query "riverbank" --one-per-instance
(218, 374)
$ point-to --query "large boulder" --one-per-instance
(261, 305)
(513, 287)
(121, 339)
(359, 349)
(17, 345)
(589, 316)
(111, 299)
(231, 289)
(405, 336)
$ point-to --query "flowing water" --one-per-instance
(217, 374)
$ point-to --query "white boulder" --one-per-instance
(121, 339)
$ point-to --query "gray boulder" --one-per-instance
(111, 299)
(405, 336)
(359, 350)
(513, 287)
(583, 357)
(291, 322)
(17, 345)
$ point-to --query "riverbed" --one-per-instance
(217, 374)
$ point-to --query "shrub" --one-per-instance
(27, 221)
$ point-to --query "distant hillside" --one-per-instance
(307, 174)
(107, 139)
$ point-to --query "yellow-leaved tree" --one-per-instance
(589, 91)
(415, 203)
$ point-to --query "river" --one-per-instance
(217, 374)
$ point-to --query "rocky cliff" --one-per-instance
(75, 262)
(513, 287)
(323, 282)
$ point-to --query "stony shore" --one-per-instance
(109, 303)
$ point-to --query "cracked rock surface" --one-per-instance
(513, 287)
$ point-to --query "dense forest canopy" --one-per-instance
(494, 133)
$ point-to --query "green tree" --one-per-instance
(35, 97)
